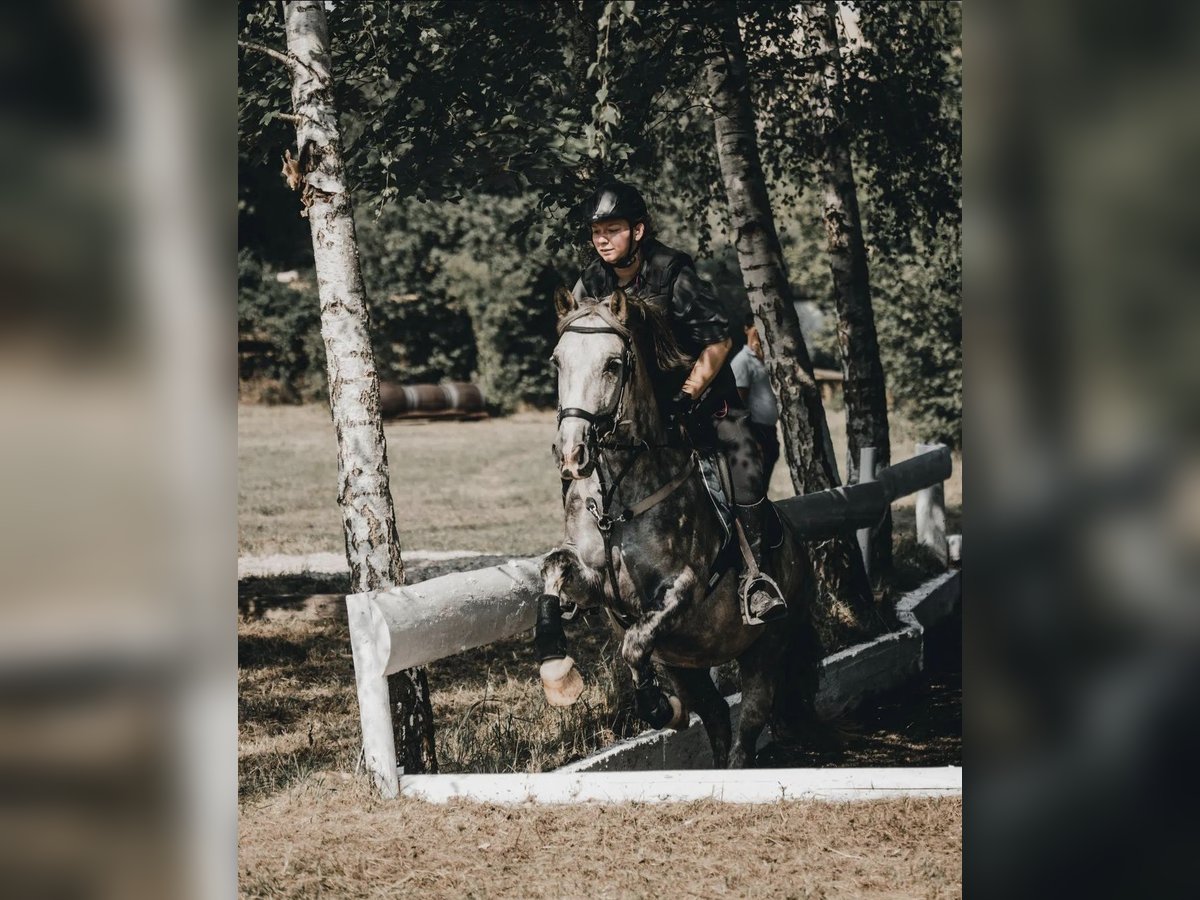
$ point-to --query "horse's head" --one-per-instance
(594, 359)
(608, 351)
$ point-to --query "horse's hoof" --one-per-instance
(561, 681)
(679, 721)
(655, 708)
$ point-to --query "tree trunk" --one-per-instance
(368, 517)
(582, 20)
(863, 387)
(841, 579)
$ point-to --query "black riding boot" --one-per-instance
(765, 602)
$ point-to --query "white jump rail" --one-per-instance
(729, 786)
(417, 624)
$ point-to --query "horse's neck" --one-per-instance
(652, 465)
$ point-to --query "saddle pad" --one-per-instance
(723, 505)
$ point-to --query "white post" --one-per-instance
(866, 473)
(374, 703)
(931, 516)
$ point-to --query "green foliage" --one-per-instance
(279, 335)
(479, 303)
(502, 117)
(419, 334)
(918, 315)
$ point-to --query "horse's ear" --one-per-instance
(564, 301)
(619, 304)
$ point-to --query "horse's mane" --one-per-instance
(643, 324)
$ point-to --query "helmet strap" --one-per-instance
(634, 245)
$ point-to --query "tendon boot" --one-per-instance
(762, 599)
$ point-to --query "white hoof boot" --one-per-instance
(561, 681)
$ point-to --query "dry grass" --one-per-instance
(330, 837)
(309, 826)
(487, 485)
(298, 711)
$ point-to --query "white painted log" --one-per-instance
(374, 703)
(866, 475)
(729, 786)
(416, 624)
(931, 514)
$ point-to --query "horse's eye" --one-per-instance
(613, 366)
(554, 362)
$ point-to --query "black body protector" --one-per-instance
(667, 280)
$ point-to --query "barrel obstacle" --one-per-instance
(414, 625)
(448, 400)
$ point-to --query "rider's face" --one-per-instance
(612, 238)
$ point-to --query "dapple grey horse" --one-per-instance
(642, 541)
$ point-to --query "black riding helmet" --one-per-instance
(617, 200)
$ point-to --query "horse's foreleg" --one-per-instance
(653, 705)
(759, 667)
(696, 689)
(563, 578)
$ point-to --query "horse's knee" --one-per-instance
(559, 570)
(635, 648)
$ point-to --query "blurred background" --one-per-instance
(117, 482)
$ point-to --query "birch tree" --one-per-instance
(806, 434)
(364, 495)
(863, 384)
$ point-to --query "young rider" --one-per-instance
(707, 404)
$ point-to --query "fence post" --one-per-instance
(931, 515)
(866, 474)
(374, 703)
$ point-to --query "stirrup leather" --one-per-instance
(755, 578)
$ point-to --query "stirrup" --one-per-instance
(761, 581)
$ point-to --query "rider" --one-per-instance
(707, 404)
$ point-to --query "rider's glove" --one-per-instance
(679, 413)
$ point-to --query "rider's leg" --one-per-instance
(750, 505)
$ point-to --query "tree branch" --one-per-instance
(288, 59)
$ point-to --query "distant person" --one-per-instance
(754, 386)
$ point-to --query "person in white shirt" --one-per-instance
(754, 384)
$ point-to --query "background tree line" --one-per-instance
(459, 262)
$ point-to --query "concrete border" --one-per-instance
(729, 786)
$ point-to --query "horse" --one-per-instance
(643, 539)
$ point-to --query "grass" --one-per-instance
(331, 837)
(489, 485)
(308, 825)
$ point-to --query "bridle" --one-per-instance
(602, 426)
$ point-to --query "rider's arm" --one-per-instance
(706, 368)
(700, 315)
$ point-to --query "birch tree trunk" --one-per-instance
(863, 385)
(368, 517)
(841, 578)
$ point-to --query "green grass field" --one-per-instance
(489, 485)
